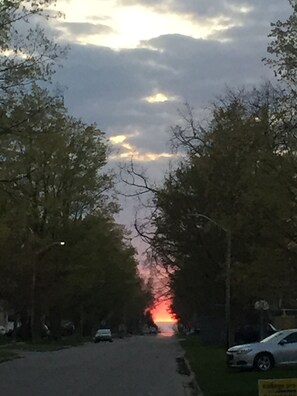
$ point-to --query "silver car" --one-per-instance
(278, 349)
(103, 335)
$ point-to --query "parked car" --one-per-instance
(248, 333)
(153, 330)
(278, 349)
(103, 335)
(67, 328)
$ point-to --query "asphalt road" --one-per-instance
(136, 366)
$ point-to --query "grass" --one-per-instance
(215, 379)
(7, 355)
(4, 340)
(48, 346)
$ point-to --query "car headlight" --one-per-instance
(244, 351)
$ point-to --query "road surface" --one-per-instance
(135, 366)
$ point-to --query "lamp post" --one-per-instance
(37, 257)
(227, 278)
(261, 306)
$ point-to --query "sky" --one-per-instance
(134, 63)
(160, 313)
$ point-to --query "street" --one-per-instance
(135, 366)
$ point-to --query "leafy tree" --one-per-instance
(27, 54)
(98, 280)
(52, 188)
(58, 191)
(240, 173)
(283, 48)
(54, 166)
(54, 161)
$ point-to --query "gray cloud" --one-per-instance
(99, 18)
(108, 86)
(201, 8)
(85, 29)
(212, 9)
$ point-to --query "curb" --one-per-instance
(191, 387)
(193, 384)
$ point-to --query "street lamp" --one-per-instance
(261, 306)
(227, 278)
(38, 255)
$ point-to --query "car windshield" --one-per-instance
(273, 336)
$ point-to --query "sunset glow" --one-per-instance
(161, 313)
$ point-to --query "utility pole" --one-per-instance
(36, 258)
(227, 278)
(228, 290)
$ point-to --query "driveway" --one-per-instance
(136, 366)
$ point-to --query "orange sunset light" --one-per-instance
(161, 312)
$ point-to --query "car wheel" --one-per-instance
(263, 362)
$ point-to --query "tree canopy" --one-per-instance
(55, 187)
(237, 174)
(27, 53)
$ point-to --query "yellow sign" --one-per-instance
(280, 387)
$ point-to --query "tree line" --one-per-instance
(62, 254)
(237, 177)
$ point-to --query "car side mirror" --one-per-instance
(283, 342)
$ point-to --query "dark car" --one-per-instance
(248, 333)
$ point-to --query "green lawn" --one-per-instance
(7, 355)
(48, 346)
(4, 340)
(215, 379)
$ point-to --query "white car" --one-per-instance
(103, 335)
(278, 349)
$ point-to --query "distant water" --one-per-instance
(166, 328)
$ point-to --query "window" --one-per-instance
(291, 338)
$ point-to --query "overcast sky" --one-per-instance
(133, 63)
